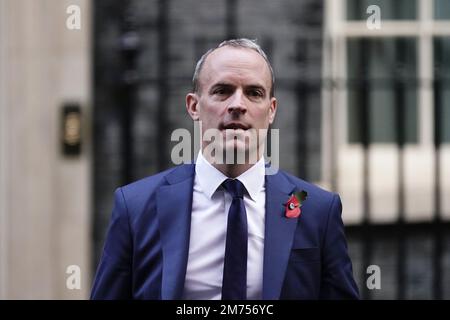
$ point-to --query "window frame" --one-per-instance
(425, 29)
(337, 29)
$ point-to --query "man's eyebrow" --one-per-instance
(250, 86)
(256, 86)
(222, 84)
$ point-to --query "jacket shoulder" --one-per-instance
(311, 188)
(137, 194)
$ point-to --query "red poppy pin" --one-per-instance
(293, 205)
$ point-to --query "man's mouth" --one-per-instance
(234, 126)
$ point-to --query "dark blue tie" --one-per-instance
(234, 284)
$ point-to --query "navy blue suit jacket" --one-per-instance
(146, 250)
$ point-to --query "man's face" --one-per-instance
(234, 96)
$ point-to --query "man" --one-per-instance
(221, 229)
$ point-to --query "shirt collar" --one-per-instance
(210, 178)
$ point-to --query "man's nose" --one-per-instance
(237, 103)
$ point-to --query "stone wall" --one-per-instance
(44, 196)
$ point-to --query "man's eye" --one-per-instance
(256, 93)
(220, 91)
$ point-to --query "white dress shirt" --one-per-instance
(210, 205)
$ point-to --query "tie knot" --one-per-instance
(234, 187)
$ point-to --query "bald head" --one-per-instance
(241, 44)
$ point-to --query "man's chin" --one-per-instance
(238, 152)
(236, 146)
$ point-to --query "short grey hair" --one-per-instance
(236, 43)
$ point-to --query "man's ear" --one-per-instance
(272, 109)
(192, 106)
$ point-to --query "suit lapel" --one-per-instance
(174, 203)
(279, 234)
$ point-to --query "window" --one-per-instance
(442, 86)
(395, 76)
(391, 9)
(388, 103)
(381, 76)
(442, 9)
